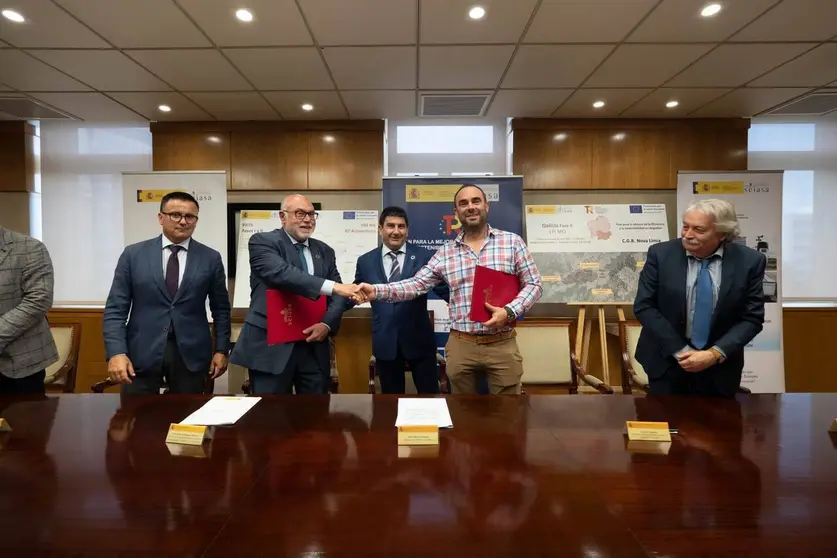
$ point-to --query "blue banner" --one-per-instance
(429, 206)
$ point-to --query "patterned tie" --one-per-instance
(702, 320)
(395, 269)
(173, 270)
(301, 249)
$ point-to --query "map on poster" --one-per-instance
(350, 233)
(592, 253)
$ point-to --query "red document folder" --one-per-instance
(494, 287)
(288, 314)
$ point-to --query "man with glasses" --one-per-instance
(155, 324)
(290, 260)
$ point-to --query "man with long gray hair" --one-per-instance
(700, 301)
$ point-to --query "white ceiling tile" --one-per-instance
(644, 65)
(580, 104)
(380, 104)
(463, 67)
(680, 21)
(89, 106)
(275, 22)
(794, 20)
(192, 70)
(817, 67)
(581, 21)
(46, 26)
(105, 70)
(748, 101)
(447, 21)
(327, 104)
(554, 66)
(733, 65)
(138, 23)
(21, 71)
(235, 106)
(527, 103)
(372, 67)
(365, 22)
(654, 105)
(147, 103)
(282, 68)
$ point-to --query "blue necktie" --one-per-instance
(702, 319)
(301, 249)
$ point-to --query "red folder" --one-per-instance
(494, 287)
(288, 314)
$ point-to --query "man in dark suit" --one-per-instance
(401, 331)
(163, 284)
(290, 260)
(26, 291)
(700, 301)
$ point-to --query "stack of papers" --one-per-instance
(423, 412)
(221, 411)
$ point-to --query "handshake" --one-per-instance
(358, 293)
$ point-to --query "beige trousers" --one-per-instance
(496, 356)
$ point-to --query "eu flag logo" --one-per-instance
(635, 208)
(348, 215)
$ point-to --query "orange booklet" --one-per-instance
(494, 287)
(288, 314)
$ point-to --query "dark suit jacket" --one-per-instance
(399, 324)
(274, 264)
(138, 289)
(661, 307)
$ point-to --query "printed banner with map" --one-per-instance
(592, 253)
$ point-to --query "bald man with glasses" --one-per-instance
(155, 323)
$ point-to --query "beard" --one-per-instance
(471, 226)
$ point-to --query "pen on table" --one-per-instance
(673, 431)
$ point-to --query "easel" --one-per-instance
(582, 336)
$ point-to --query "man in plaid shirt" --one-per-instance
(474, 348)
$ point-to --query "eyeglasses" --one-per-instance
(176, 217)
(301, 215)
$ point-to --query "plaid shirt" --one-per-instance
(455, 262)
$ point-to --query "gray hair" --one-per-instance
(722, 212)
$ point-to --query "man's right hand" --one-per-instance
(120, 369)
(346, 290)
(365, 292)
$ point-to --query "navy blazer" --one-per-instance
(139, 310)
(661, 307)
(400, 324)
(275, 264)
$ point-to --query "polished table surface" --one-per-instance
(91, 475)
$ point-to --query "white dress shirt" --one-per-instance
(385, 251)
(181, 256)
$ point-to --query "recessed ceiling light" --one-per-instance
(213, 139)
(598, 104)
(12, 15)
(307, 107)
(672, 104)
(244, 15)
(328, 139)
(711, 9)
(559, 137)
(164, 108)
(619, 137)
(477, 12)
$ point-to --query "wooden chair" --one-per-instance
(375, 381)
(61, 375)
(549, 359)
(633, 375)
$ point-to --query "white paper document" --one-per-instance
(423, 412)
(221, 410)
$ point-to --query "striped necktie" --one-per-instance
(395, 269)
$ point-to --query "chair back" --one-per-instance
(63, 372)
(632, 331)
(546, 349)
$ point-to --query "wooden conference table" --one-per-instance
(90, 475)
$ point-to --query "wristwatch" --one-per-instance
(509, 313)
(718, 355)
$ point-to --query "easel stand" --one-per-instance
(584, 330)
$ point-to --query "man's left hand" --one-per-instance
(695, 361)
(316, 333)
(219, 365)
(499, 316)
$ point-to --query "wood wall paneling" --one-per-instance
(192, 151)
(92, 366)
(17, 157)
(269, 161)
(623, 153)
(352, 160)
(808, 334)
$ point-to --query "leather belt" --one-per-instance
(484, 338)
